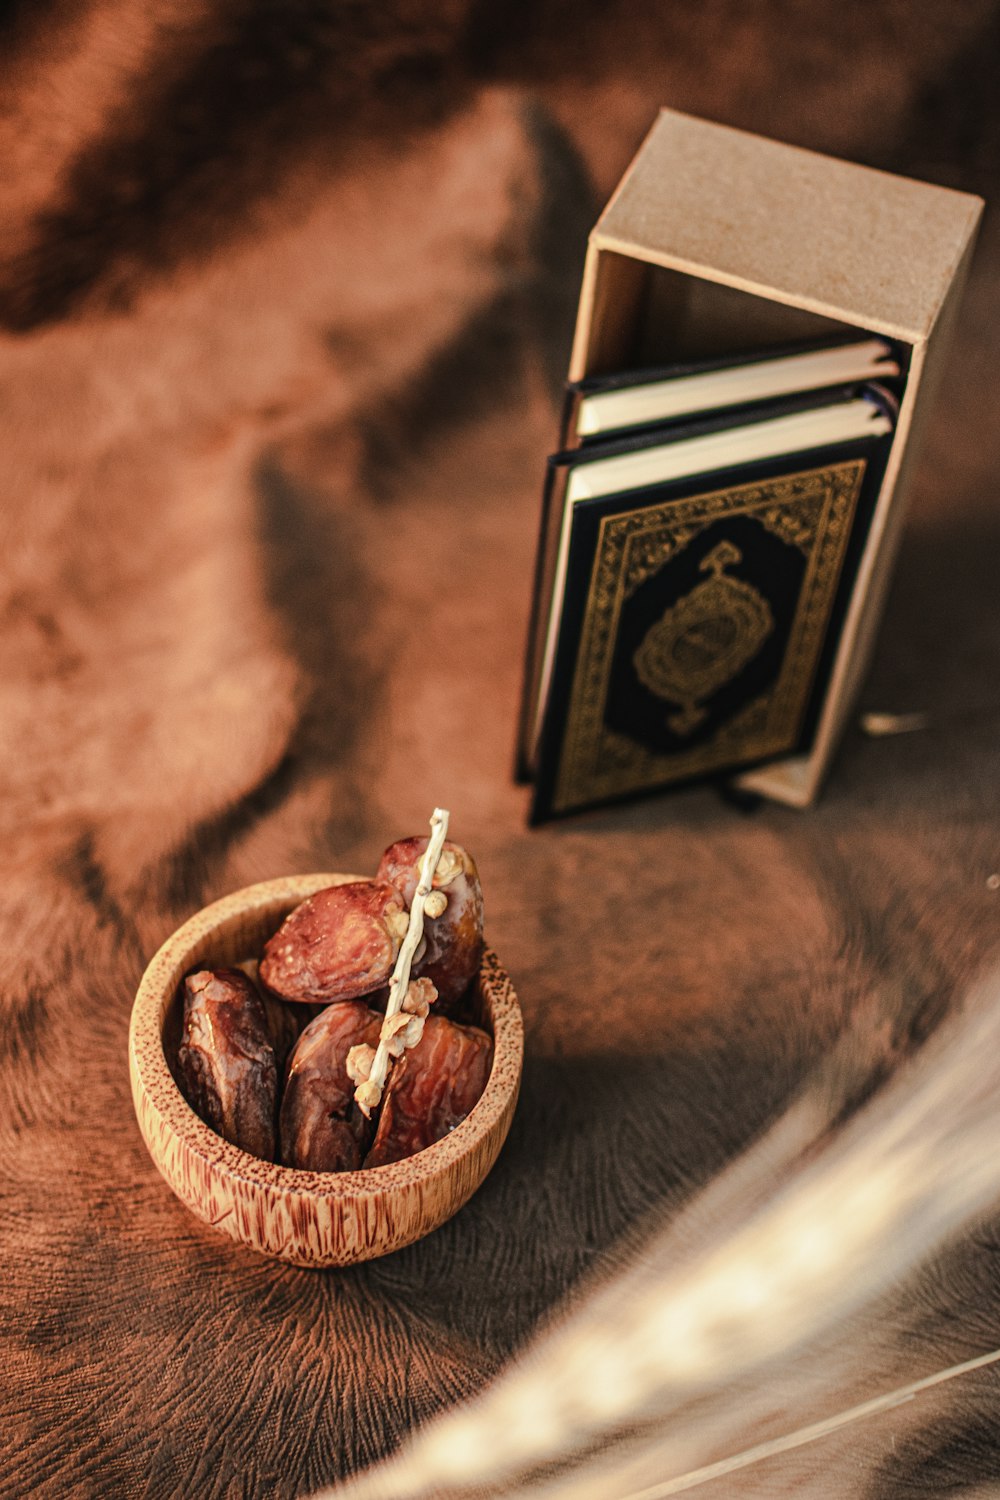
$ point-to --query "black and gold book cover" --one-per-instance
(698, 624)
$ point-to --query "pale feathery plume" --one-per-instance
(759, 1326)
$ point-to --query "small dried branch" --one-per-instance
(369, 1092)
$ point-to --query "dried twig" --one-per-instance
(369, 1092)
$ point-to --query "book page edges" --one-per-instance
(645, 403)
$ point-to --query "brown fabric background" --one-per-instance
(286, 291)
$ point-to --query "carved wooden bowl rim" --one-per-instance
(159, 1102)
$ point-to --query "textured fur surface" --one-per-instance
(285, 290)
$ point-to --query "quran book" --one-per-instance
(604, 405)
(738, 252)
(689, 589)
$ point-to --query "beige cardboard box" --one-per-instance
(717, 241)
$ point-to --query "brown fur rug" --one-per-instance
(286, 292)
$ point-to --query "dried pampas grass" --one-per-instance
(756, 1345)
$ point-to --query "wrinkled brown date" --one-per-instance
(431, 1089)
(322, 1129)
(226, 1059)
(284, 1021)
(454, 940)
(339, 944)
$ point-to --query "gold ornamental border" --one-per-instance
(814, 509)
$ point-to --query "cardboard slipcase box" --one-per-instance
(716, 242)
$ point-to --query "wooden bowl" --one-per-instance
(307, 1218)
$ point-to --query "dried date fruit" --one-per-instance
(322, 1129)
(431, 1089)
(453, 926)
(339, 944)
(284, 1021)
(226, 1059)
(285, 1024)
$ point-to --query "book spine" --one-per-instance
(541, 599)
(568, 437)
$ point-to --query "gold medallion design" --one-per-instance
(702, 642)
